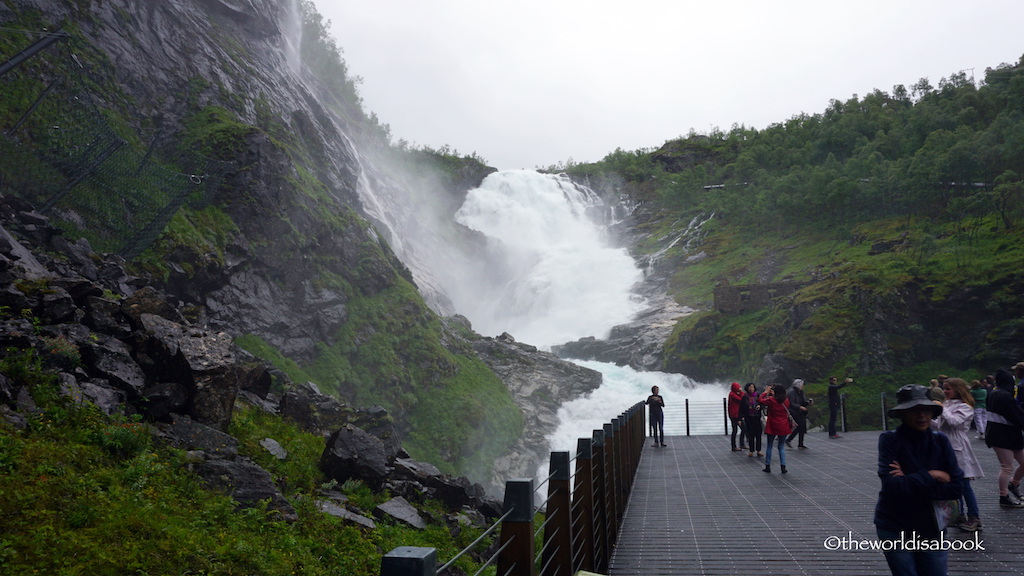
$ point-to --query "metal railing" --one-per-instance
(582, 511)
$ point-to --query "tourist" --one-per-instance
(657, 405)
(798, 404)
(1018, 374)
(955, 422)
(734, 401)
(750, 410)
(1005, 420)
(917, 468)
(833, 403)
(935, 388)
(776, 405)
(980, 395)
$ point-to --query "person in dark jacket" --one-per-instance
(657, 405)
(833, 403)
(733, 404)
(917, 467)
(798, 405)
(750, 411)
(1003, 434)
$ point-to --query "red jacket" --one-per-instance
(735, 397)
(778, 415)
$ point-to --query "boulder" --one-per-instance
(247, 483)
(187, 434)
(400, 510)
(353, 454)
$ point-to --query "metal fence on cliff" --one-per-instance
(61, 153)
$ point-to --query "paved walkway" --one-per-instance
(698, 508)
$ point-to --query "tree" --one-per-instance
(1008, 193)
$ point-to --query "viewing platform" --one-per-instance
(697, 508)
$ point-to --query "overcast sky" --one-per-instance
(537, 82)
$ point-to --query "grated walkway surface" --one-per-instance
(698, 508)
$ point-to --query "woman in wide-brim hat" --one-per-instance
(917, 468)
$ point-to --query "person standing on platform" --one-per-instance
(833, 403)
(750, 410)
(955, 423)
(918, 469)
(733, 405)
(980, 395)
(1003, 434)
(657, 405)
(798, 405)
(776, 406)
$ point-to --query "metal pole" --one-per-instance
(842, 408)
(583, 502)
(556, 555)
(885, 414)
(687, 416)
(516, 558)
(36, 47)
(409, 561)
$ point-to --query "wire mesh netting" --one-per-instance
(59, 152)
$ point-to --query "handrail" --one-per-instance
(584, 510)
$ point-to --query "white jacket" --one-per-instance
(955, 423)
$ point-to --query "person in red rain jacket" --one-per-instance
(735, 398)
(777, 407)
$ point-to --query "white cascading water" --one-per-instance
(552, 277)
(292, 31)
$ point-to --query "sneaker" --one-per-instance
(802, 447)
(972, 524)
(1009, 501)
(960, 520)
(655, 445)
(835, 436)
(760, 454)
(1015, 490)
(750, 454)
(789, 443)
(663, 444)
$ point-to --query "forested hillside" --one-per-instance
(896, 219)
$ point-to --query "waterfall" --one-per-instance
(549, 275)
(291, 26)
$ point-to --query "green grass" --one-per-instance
(82, 493)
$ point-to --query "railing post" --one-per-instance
(725, 414)
(602, 547)
(687, 401)
(885, 414)
(583, 508)
(611, 486)
(516, 541)
(409, 561)
(622, 481)
(556, 553)
(842, 410)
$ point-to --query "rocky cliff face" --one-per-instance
(306, 188)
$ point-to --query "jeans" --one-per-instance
(658, 427)
(912, 562)
(782, 450)
(970, 500)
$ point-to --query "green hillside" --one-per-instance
(896, 219)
